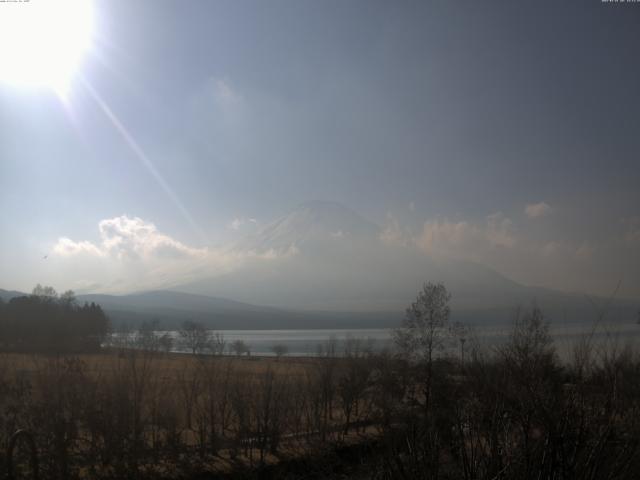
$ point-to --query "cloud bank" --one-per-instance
(127, 238)
(464, 239)
(536, 210)
(133, 254)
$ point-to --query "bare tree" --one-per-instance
(460, 334)
(423, 331)
(279, 350)
(239, 347)
(146, 337)
(68, 298)
(166, 342)
(194, 336)
(423, 328)
(354, 379)
(217, 343)
(44, 293)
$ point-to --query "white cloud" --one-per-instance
(132, 238)
(464, 239)
(534, 259)
(66, 247)
(238, 223)
(439, 236)
(536, 210)
(223, 92)
(133, 249)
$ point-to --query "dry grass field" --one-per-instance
(167, 364)
(105, 414)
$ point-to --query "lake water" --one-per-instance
(308, 342)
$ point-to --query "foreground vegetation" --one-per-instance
(514, 412)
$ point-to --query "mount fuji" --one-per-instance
(329, 258)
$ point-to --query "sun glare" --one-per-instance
(43, 41)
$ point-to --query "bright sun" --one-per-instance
(42, 42)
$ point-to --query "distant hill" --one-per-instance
(7, 295)
(172, 308)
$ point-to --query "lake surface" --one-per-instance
(310, 342)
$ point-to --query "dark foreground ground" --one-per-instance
(514, 412)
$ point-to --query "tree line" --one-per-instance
(47, 322)
(512, 411)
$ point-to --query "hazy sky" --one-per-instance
(500, 131)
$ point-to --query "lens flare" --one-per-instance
(42, 42)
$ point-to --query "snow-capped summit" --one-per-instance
(312, 222)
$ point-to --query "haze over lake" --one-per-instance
(305, 343)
